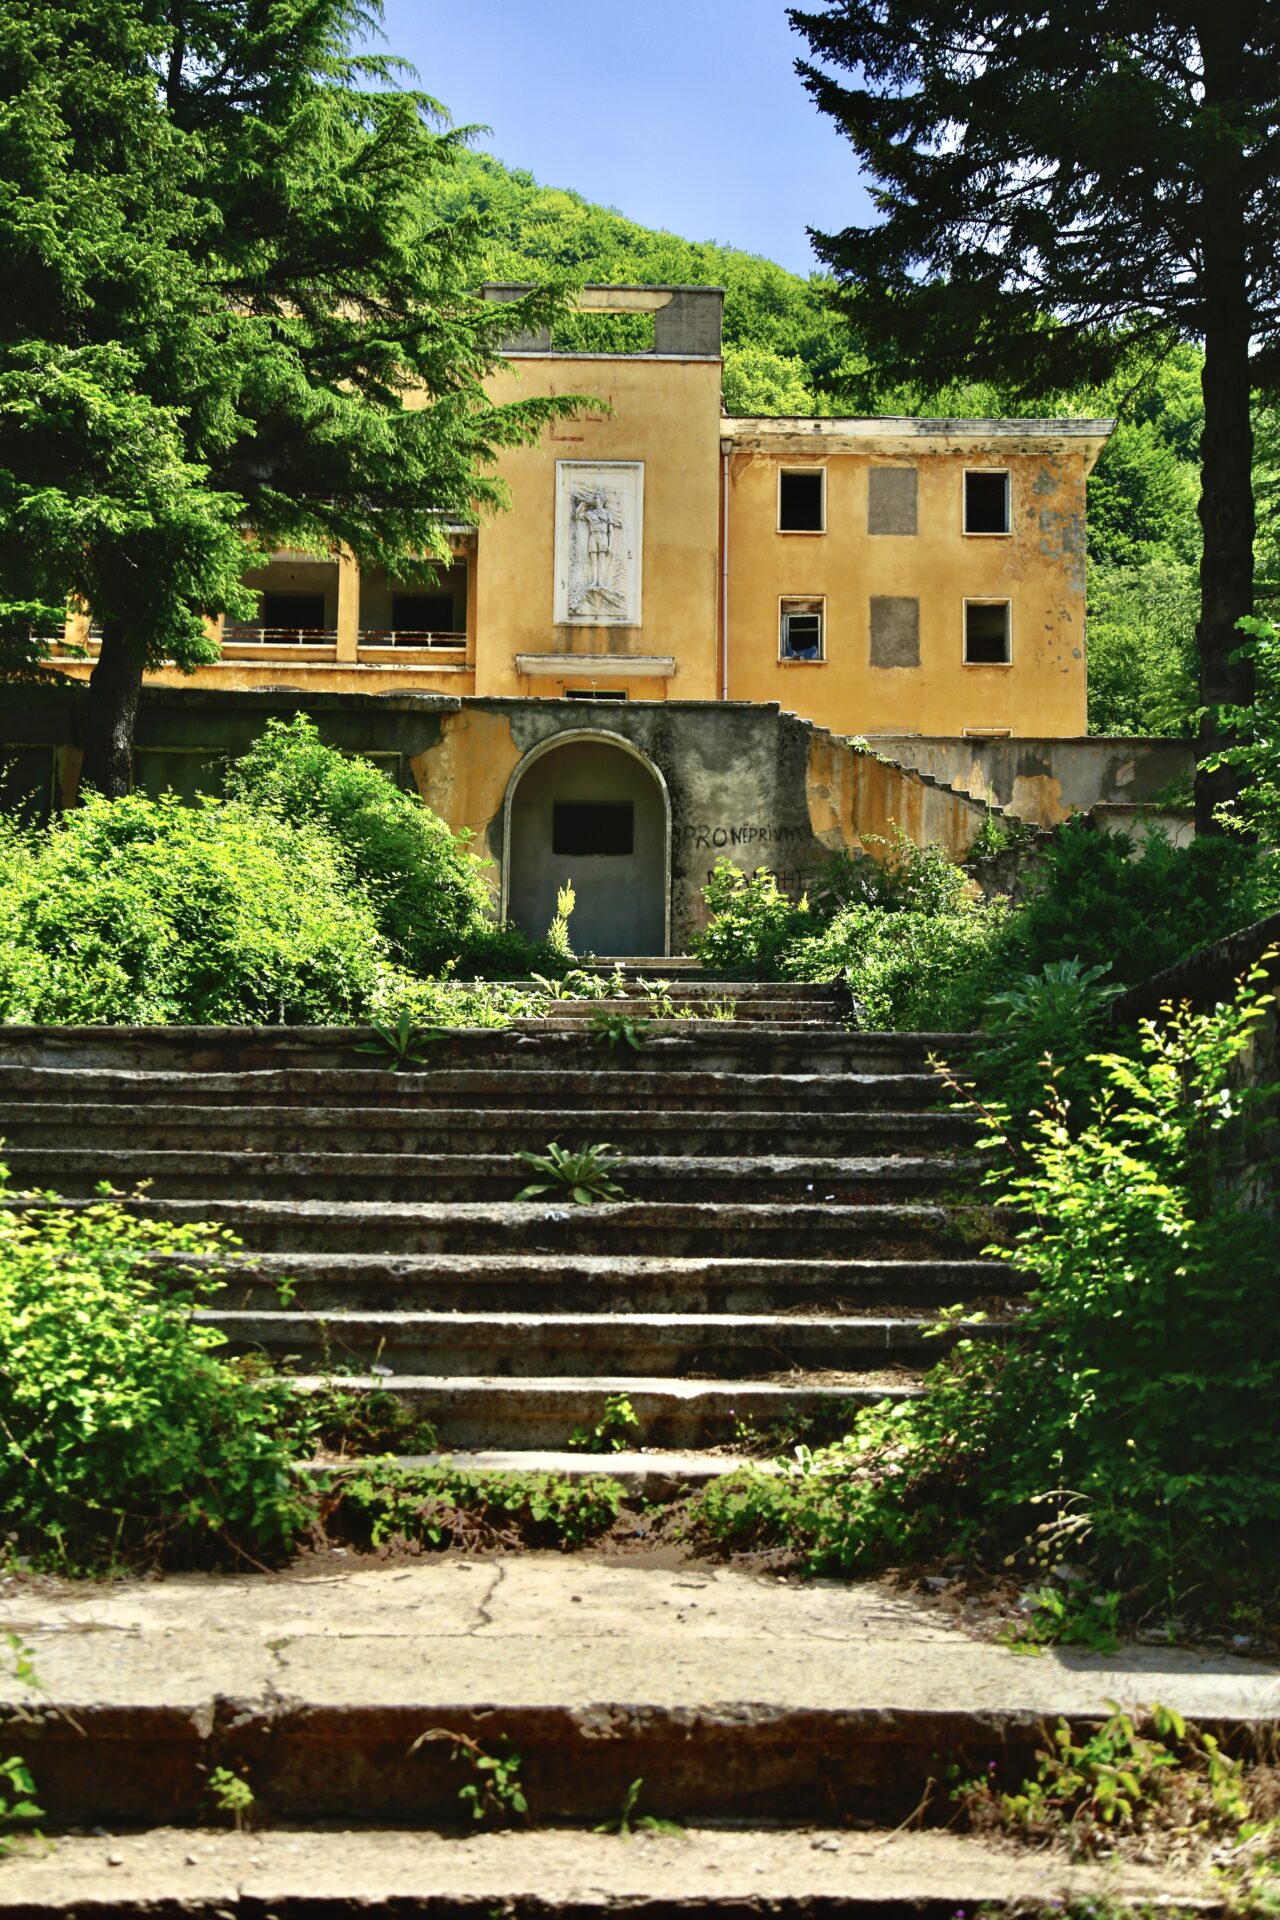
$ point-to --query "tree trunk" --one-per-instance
(1226, 456)
(112, 710)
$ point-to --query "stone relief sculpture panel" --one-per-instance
(599, 542)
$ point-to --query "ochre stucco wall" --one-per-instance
(665, 413)
(1039, 567)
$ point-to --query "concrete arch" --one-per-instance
(624, 900)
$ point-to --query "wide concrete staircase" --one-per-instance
(800, 1202)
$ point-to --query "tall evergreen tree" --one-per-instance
(1064, 191)
(225, 317)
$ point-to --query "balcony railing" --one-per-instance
(242, 636)
(404, 637)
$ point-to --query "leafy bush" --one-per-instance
(914, 970)
(1130, 1426)
(903, 878)
(1054, 1015)
(148, 911)
(121, 1431)
(426, 889)
(753, 923)
(1137, 910)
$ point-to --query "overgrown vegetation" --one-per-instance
(122, 1432)
(317, 892)
(1126, 1430)
(388, 1507)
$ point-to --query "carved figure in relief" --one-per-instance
(594, 572)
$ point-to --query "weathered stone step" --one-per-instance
(604, 1283)
(732, 1696)
(527, 1343)
(569, 1874)
(507, 1089)
(656, 1474)
(719, 1046)
(477, 1177)
(884, 1232)
(708, 1005)
(532, 1411)
(463, 1130)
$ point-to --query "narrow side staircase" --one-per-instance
(800, 1202)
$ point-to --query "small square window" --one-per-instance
(986, 501)
(802, 500)
(800, 635)
(587, 827)
(986, 633)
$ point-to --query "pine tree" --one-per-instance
(223, 305)
(1065, 192)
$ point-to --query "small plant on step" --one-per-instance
(1168, 1777)
(628, 1821)
(558, 931)
(17, 1787)
(232, 1795)
(612, 1432)
(400, 1045)
(582, 1177)
(493, 1796)
(614, 1029)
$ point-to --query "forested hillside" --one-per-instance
(787, 352)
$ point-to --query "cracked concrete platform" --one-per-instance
(554, 1872)
(731, 1692)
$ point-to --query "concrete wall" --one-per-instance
(749, 783)
(1045, 780)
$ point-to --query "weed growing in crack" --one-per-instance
(582, 1177)
(628, 1821)
(493, 1796)
(612, 1432)
(231, 1794)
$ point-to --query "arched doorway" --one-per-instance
(590, 809)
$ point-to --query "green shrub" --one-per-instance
(913, 970)
(1130, 1426)
(1055, 1015)
(753, 923)
(122, 1434)
(426, 889)
(444, 1505)
(148, 911)
(902, 878)
(1097, 898)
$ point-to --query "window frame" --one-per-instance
(978, 533)
(802, 533)
(812, 602)
(985, 600)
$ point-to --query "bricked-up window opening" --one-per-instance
(986, 633)
(801, 636)
(593, 827)
(422, 612)
(802, 502)
(986, 503)
(294, 611)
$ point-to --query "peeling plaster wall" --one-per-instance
(1045, 780)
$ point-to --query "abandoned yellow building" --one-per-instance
(877, 576)
(693, 637)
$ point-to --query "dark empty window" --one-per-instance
(986, 633)
(986, 502)
(802, 502)
(293, 612)
(422, 612)
(581, 827)
(593, 693)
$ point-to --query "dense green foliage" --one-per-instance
(916, 945)
(317, 893)
(121, 1431)
(448, 1506)
(427, 890)
(223, 279)
(149, 911)
(1126, 1427)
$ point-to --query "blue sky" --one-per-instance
(681, 113)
